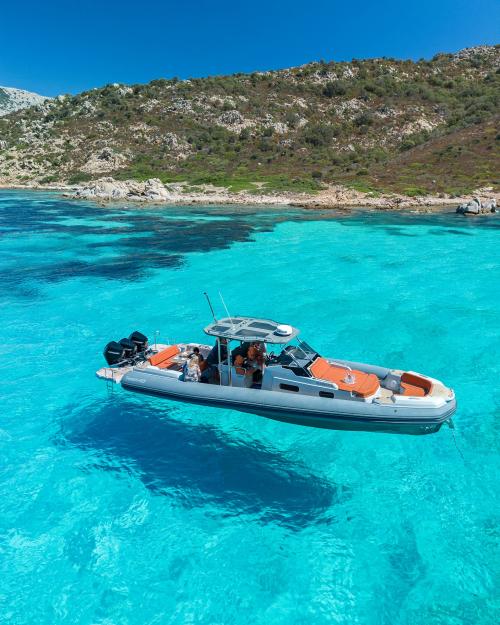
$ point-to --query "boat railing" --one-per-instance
(340, 364)
(350, 378)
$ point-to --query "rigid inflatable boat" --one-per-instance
(296, 384)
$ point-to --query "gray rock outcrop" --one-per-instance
(231, 118)
(15, 99)
(477, 207)
(490, 206)
(152, 190)
(105, 160)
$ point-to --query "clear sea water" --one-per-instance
(117, 509)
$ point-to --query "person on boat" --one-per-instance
(255, 361)
(213, 356)
(242, 368)
(209, 365)
(255, 354)
(240, 350)
(239, 365)
(192, 371)
(196, 352)
(252, 364)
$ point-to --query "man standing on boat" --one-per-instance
(217, 354)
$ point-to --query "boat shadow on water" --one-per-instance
(198, 465)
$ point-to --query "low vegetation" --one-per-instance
(375, 125)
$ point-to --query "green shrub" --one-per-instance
(414, 191)
(362, 187)
(319, 134)
(363, 119)
(79, 177)
(333, 89)
(49, 179)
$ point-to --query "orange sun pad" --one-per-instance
(164, 358)
(365, 385)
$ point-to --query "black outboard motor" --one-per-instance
(140, 340)
(130, 347)
(114, 353)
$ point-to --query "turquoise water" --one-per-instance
(117, 509)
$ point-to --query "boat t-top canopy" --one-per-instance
(252, 329)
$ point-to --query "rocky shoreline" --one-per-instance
(153, 191)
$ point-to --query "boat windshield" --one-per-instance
(299, 355)
(309, 351)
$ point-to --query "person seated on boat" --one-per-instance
(192, 371)
(240, 350)
(249, 366)
(256, 353)
(255, 361)
(239, 365)
(196, 352)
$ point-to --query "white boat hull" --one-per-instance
(410, 416)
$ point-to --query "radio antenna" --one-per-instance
(227, 311)
(210, 304)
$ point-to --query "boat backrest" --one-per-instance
(414, 384)
(240, 379)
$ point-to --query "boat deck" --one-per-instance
(385, 396)
(115, 374)
(111, 374)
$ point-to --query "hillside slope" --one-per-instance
(16, 99)
(375, 125)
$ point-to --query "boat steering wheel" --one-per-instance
(271, 357)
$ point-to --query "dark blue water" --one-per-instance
(117, 509)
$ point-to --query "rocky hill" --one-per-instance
(378, 125)
(16, 99)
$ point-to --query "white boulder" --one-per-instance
(477, 207)
(152, 190)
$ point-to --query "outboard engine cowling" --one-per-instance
(140, 340)
(130, 347)
(114, 353)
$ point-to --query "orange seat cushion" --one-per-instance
(415, 385)
(413, 391)
(365, 384)
(164, 358)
